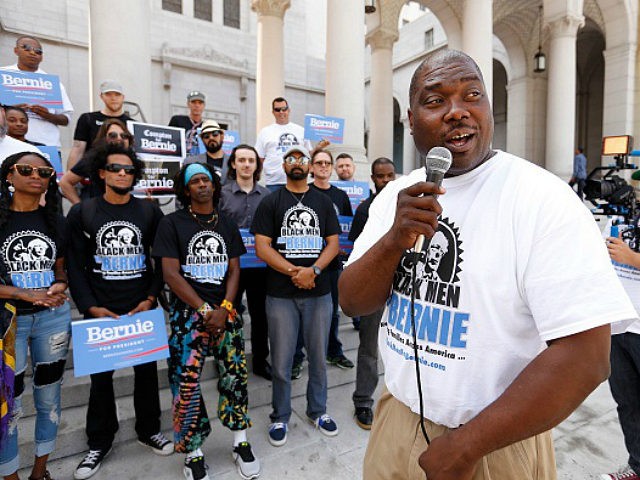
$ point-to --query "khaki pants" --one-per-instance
(396, 444)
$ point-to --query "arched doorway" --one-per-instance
(590, 92)
(499, 105)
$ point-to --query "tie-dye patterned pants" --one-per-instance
(189, 345)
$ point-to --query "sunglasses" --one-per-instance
(216, 133)
(323, 163)
(26, 170)
(116, 135)
(116, 167)
(29, 48)
(292, 160)
(280, 109)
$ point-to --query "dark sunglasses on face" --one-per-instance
(116, 167)
(29, 48)
(292, 160)
(323, 163)
(280, 109)
(26, 170)
(115, 135)
(215, 133)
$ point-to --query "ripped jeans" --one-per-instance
(47, 334)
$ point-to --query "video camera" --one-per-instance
(610, 194)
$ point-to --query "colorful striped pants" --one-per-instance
(189, 345)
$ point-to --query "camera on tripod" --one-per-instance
(610, 194)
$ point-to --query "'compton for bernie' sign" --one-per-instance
(157, 140)
(31, 88)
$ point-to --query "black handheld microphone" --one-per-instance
(437, 163)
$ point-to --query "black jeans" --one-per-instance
(254, 282)
(625, 388)
(102, 421)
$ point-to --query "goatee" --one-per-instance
(121, 190)
(297, 175)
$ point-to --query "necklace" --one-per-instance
(299, 200)
(205, 223)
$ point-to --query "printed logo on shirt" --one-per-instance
(441, 328)
(119, 251)
(30, 256)
(207, 258)
(286, 141)
(300, 233)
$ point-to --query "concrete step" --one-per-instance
(71, 436)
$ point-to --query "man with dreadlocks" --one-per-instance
(32, 251)
(200, 249)
(110, 278)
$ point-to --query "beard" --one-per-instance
(121, 190)
(297, 174)
(213, 147)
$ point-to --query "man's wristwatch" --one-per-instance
(316, 269)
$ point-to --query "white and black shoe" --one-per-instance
(90, 464)
(247, 464)
(158, 443)
(194, 467)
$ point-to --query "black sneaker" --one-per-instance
(158, 443)
(364, 417)
(296, 371)
(90, 464)
(340, 361)
(247, 464)
(195, 468)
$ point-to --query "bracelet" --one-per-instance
(204, 309)
(150, 299)
(227, 305)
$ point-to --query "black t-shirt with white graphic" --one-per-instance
(90, 122)
(203, 252)
(28, 252)
(111, 264)
(297, 230)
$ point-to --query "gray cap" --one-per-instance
(111, 86)
(297, 148)
(195, 95)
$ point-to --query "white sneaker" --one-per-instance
(90, 464)
(195, 468)
(158, 443)
(247, 464)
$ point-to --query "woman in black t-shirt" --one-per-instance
(200, 249)
(33, 276)
(112, 131)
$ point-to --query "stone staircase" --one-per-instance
(71, 439)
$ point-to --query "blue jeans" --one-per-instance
(367, 368)
(286, 317)
(625, 385)
(46, 335)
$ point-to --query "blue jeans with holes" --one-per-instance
(286, 317)
(45, 335)
(625, 389)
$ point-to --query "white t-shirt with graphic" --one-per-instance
(273, 141)
(517, 261)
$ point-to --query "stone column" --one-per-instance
(381, 103)
(619, 90)
(477, 37)
(344, 83)
(122, 57)
(561, 95)
(270, 57)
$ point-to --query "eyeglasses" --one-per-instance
(215, 133)
(280, 109)
(26, 170)
(292, 160)
(323, 163)
(116, 167)
(29, 48)
(115, 135)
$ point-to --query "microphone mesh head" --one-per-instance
(439, 159)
